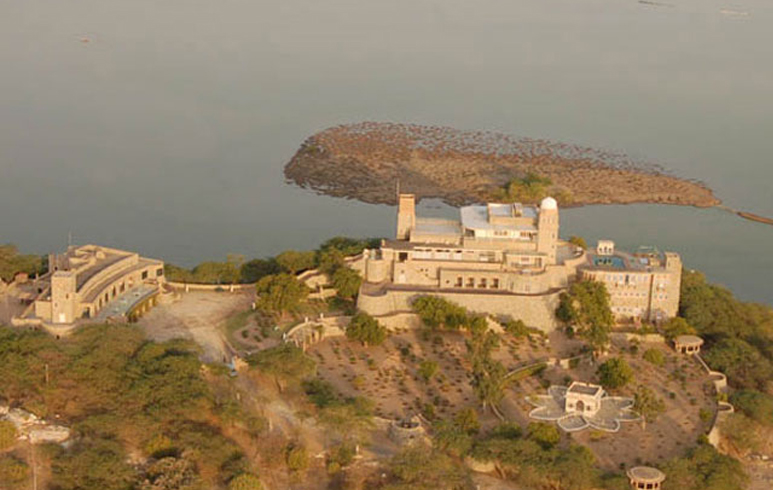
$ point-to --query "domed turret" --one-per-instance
(548, 204)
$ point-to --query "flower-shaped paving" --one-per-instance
(613, 411)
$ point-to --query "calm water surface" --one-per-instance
(168, 130)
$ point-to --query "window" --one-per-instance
(483, 283)
(458, 282)
(495, 283)
(470, 282)
(144, 274)
(159, 272)
(402, 256)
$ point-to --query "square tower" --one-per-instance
(63, 297)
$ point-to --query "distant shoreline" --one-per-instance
(368, 161)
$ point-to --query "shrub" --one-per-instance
(296, 457)
(654, 356)
(428, 369)
(615, 373)
(7, 434)
(366, 329)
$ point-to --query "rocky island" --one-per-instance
(365, 161)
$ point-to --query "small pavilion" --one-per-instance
(646, 478)
(688, 344)
(583, 398)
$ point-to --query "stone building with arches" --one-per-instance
(88, 281)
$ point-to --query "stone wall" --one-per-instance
(535, 310)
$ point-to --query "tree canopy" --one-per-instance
(347, 282)
(12, 262)
(280, 293)
(615, 373)
(366, 329)
(585, 308)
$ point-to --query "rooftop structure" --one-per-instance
(688, 344)
(645, 478)
(94, 282)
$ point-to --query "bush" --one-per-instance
(245, 481)
(544, 434)
(428, 369)
(615, 373)
(296, 457)
(347, 282)
(13, 472)
(366, 329)
(516, 328)
(654, 356)
(755, 405)
(7, 434)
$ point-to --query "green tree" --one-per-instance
(350, 246)
(245, 481)
(256, 269)
(615, 373)
(703, 468)
(285, 362)
(293, 261)
(93, 465)
(7, 434)
(516, 328)
(755, 405)
(330, 260)
(647, 404)
(544, 434)
(585, 307)
(13, 472)
(347, 282)
(677, 326)
(281, 293)
(420, 468)
(427, 369)
(742, 432)
(578, 241)
(217, 272)
(456, 436)
(12, 262)
(366, 329)
(743, 364)
(171, 473)
(654, 356)
(439, 313)
(297, 458)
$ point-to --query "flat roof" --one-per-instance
(646, 474)
(623, 261)
(476, 217)
(434, 226)
(584, 389)
(688, 340)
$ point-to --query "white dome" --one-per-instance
(548, 203)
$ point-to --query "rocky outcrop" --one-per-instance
(365, 161)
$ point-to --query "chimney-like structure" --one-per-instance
(406, 215)
(547, 229)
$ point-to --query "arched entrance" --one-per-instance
(580, 406)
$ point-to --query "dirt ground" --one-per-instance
(199, 316)
(680, 383)
(388, 374)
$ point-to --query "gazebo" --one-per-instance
(645, 478)
(688, 344)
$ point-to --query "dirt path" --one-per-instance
(198, 316)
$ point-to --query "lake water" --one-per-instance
(168, 130)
